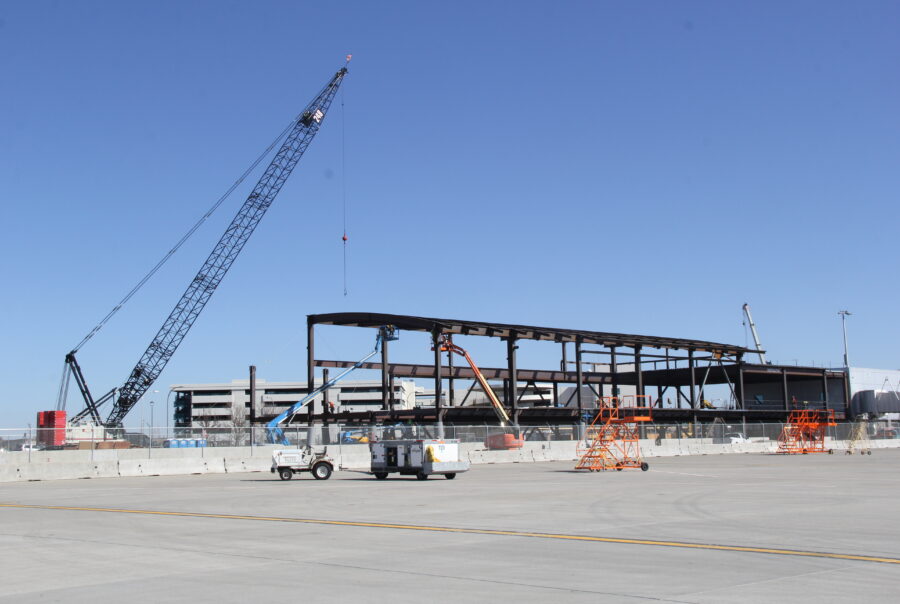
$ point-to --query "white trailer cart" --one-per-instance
(286, 462)
(419, 458)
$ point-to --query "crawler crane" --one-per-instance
(202, 286)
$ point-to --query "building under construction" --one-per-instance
(676, 374)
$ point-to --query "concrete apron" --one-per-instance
(58, 465)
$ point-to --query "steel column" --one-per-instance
(438, 378)
(513, 385)
(252, 395)
(579, 378)
(614, 370)
(784, 390)
(692, 365)
(387, 398)
(638, 372)
(310, 354)
(451, 389)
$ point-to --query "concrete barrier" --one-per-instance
(170, 467)
(351, 457)
(59, 465)
(247, 464)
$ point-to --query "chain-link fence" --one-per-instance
(162, 437)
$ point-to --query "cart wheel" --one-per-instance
(286, 473)
(868, 452)
(450, 475)
(381, 475)
(645, 466)
(321, 471)
(422, 476)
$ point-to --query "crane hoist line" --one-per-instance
(223, 255)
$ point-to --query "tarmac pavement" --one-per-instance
(698, 529)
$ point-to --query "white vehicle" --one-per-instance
(30, 447)
(419, 458)
(287, 462)
(736, 437)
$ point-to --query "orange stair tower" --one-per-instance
(611, 441)
(805, 432)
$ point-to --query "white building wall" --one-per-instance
(227, 403)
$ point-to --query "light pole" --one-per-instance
(168, 415)
(844, 314)
(151, 393)
(151, 425)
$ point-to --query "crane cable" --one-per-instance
(344, 181)
(185, 237)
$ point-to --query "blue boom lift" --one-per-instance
(274, 433)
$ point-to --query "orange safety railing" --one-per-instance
(805, 432)
(612, 439)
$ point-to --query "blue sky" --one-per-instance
(642, 167)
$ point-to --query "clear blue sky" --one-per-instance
(643, 167)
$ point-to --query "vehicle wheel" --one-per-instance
(422, 476)
(381, 475)
(645, 466)
(321, 471)
(618, 468)
(450, 475)
(868, 452)
(849, 452)
(286, 473)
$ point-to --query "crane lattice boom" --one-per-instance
(201, 288)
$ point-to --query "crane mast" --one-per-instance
(202, 286)
(759, 348)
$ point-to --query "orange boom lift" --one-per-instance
(493, 441)
(612, 438)
(805, 432)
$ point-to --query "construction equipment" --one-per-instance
(805, 432)
(274, 433)
(202, 286)
(502, 440)
(420, 458)
(287, 462)
(612, 439)
(756, 342)
(859, 436)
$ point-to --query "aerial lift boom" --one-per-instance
(275, 435)
(759, 348)
(447, 345)
(202, 286)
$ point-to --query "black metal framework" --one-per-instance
(679, 370)
(213, 270)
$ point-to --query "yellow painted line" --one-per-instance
(471, 531)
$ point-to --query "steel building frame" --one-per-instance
(599, 362)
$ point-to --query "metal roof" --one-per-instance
(523, 332)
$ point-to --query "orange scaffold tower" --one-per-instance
(611, 441)
(805, 432)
